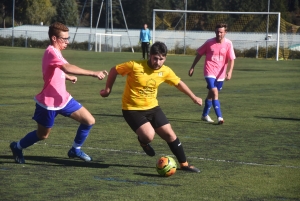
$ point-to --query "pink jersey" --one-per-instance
(54, 95)
(217, 56)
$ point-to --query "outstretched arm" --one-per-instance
(229, 72)
(109, 82)
(197, 58)
(185, 89)
(72, 69)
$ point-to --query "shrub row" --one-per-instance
(251, 53)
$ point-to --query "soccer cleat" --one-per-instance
(207, 118)
(186, 167)
(147, 148)
(17, 153)
(80, 154)
(220, 120)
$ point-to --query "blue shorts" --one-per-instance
(46, 117)
(214, 83)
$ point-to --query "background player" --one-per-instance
(219, 51)
(139, 103)
(145, 39)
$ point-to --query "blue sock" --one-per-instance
(217, 107)
(207, 106)
(82, 133)
(28, 140)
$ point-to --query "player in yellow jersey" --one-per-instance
(139, 103)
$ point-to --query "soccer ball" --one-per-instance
(166, 166)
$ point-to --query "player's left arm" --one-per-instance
(230, 69)
(185, 89)
(231, 57)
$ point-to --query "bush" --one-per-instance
(83, 46)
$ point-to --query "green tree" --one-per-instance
(40, 11)
(67, 12)
(5, 11)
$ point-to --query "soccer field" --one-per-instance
(254, 155)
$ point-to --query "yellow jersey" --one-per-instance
(142, 83)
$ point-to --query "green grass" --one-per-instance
(255, 155)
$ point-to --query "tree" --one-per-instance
(67, 12)
(40, 11)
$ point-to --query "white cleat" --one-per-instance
(220, 120)
(207, 118)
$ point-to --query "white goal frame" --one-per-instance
(219, 12)
(100, 40)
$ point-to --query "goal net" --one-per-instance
(108, 42)
(253, 34)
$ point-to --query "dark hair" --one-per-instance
(56, 28)
(159, 48)
(221, 25)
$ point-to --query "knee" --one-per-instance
(91, 121)
(43, 135)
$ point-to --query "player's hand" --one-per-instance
(191, 72)
(228, 76)
(101, 74)
(139, 42)
(197, 100)
(104, 93)
(72, 78)
(150, 42)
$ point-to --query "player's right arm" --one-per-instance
(109, 82)
(197, 58)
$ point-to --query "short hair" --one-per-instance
(221, 25)
(159, 48)
(56, 28)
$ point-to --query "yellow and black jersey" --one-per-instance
(142, 82)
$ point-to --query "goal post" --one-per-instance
(109, 41)
(186, 30)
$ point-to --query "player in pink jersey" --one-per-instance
(218, 53)
(54, 98)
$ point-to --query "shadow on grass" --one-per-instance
(171, 119)
(109, 115)
(47, 160)
(279, 118)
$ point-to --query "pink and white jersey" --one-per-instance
(217, 56)
(54, 95)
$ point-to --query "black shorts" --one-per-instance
(136, 118)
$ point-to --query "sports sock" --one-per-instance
(217, 107)
(207, 106)
(28, 140)
(177, 150)
(81, 135)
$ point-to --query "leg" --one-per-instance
(32, 137)
(145, 135)
(166, 132)
(147, 49)
(45, 120)
(143, 49)
(211, 95)
(86, 120)
(207, 107)
(216, 102)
